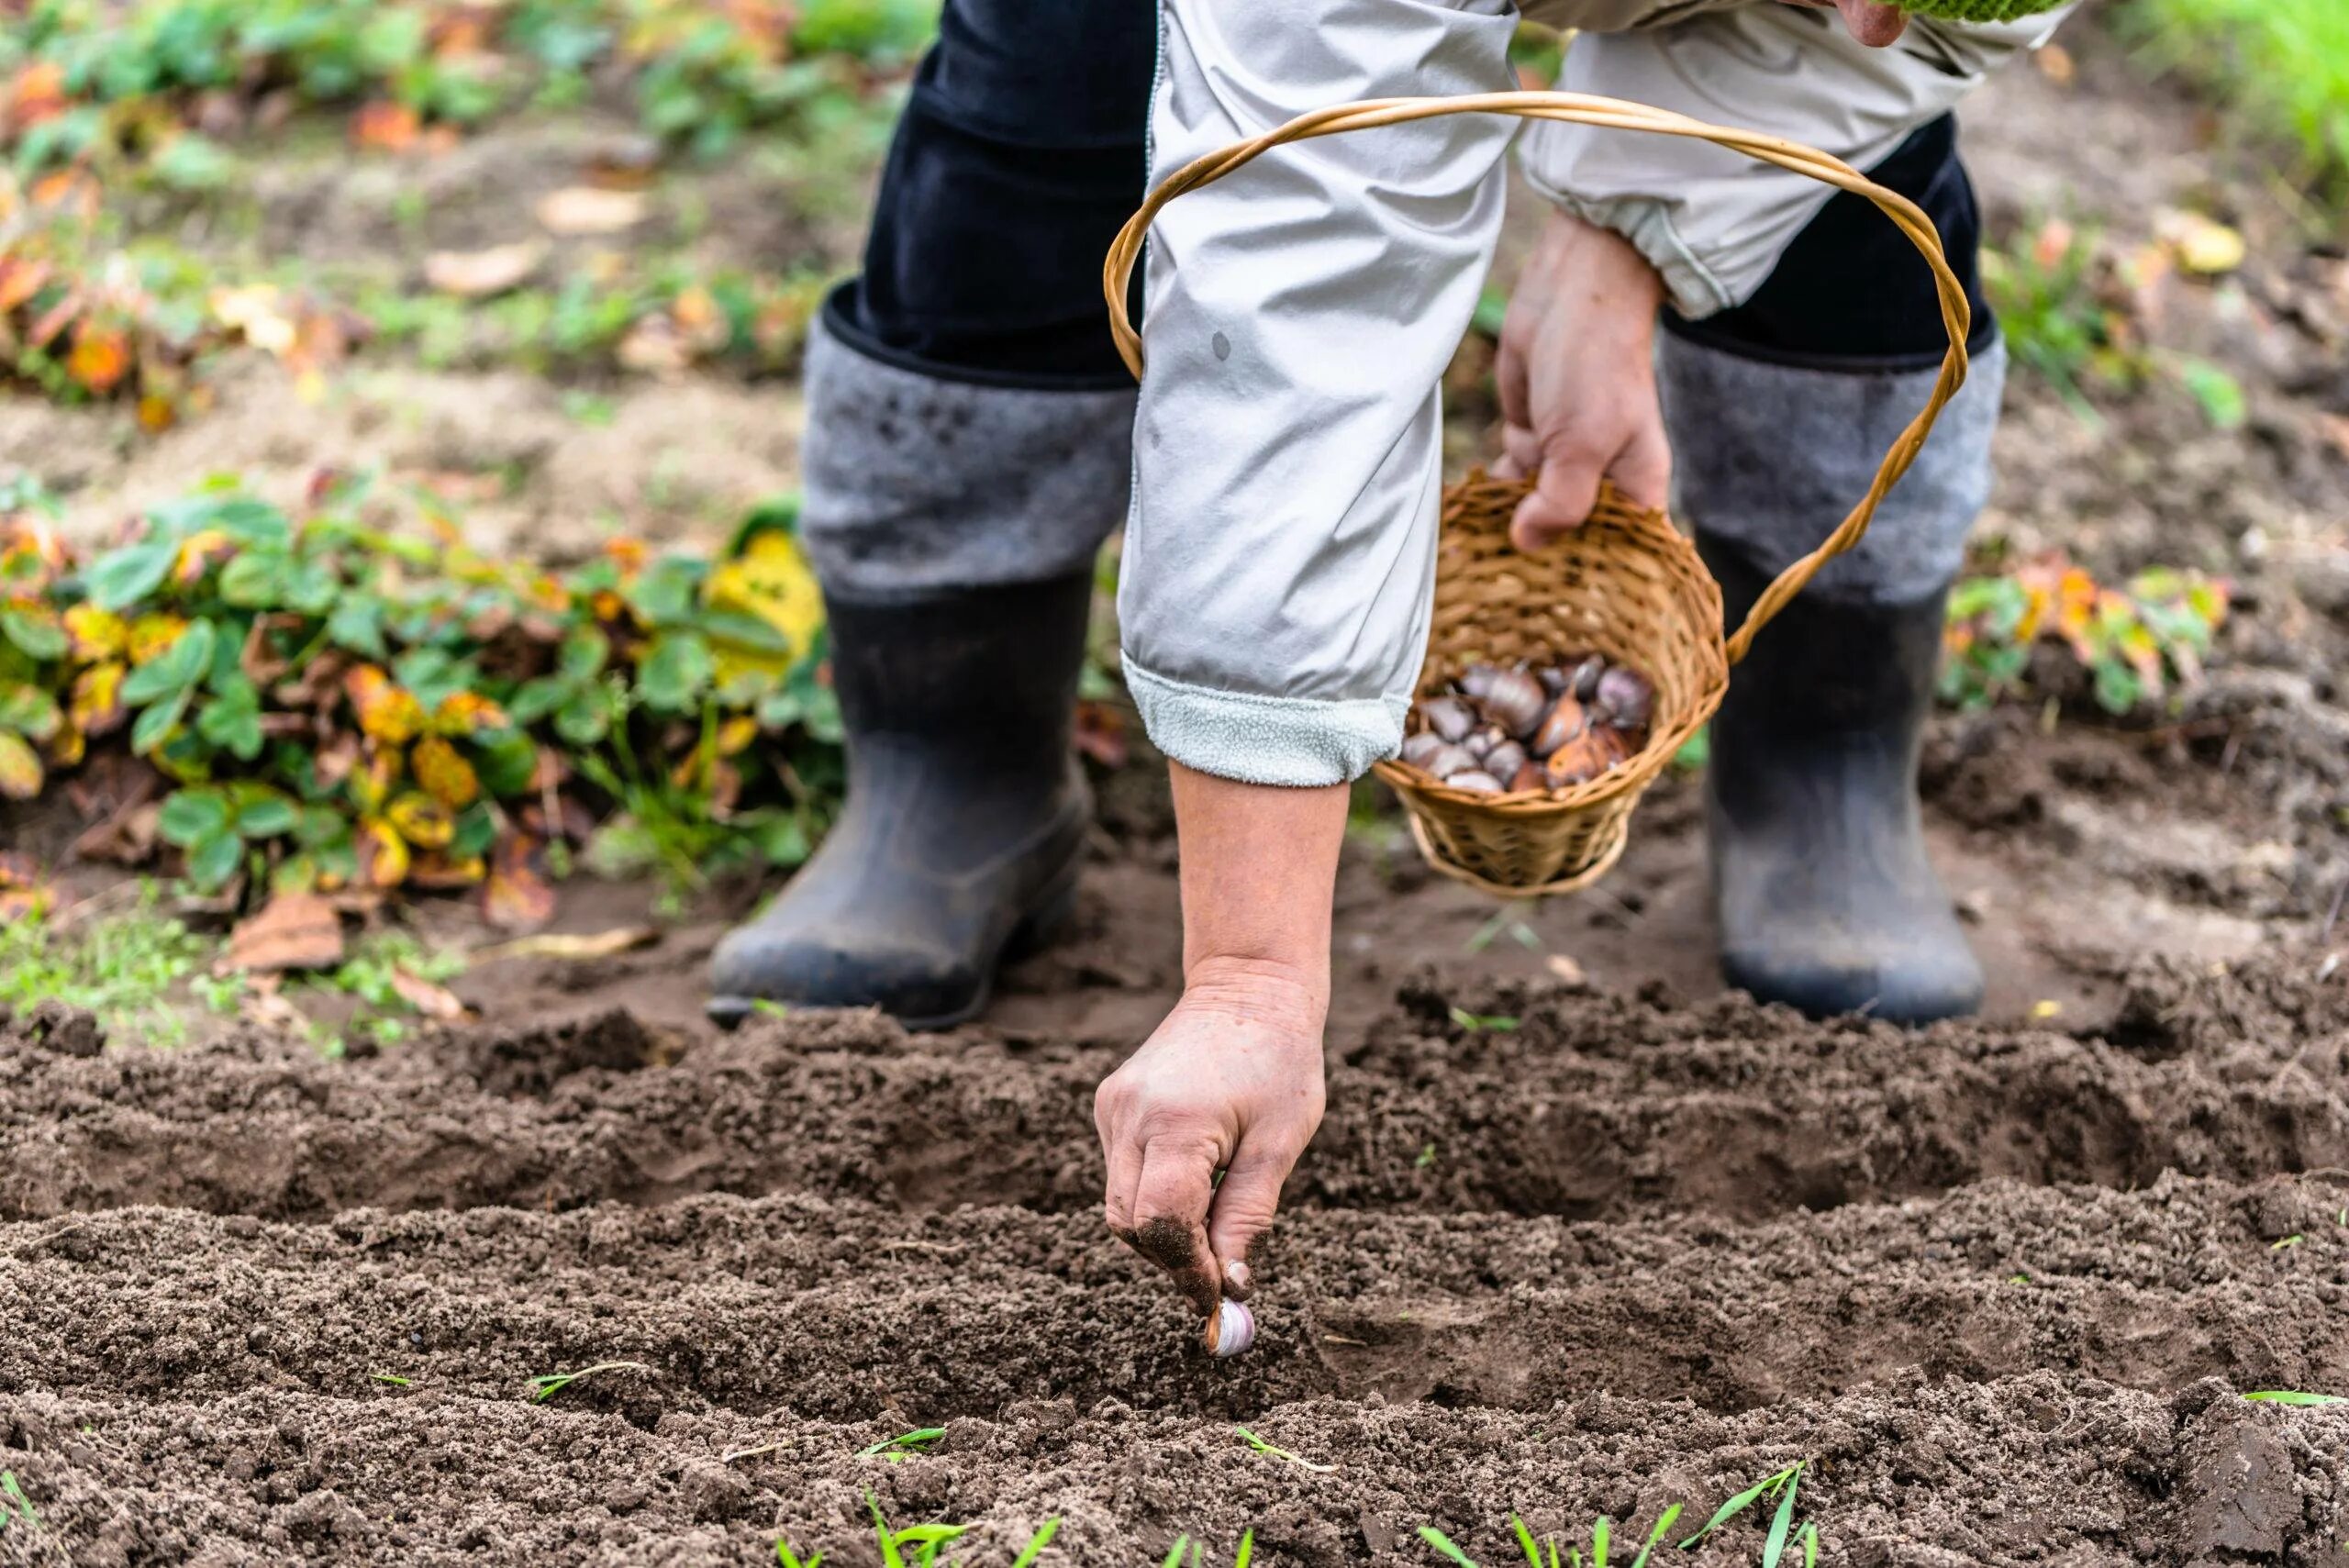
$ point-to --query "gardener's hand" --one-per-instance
(1872, 25)
(1231, 1082)
(1577, 380)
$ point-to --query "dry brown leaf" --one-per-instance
(571, 945)
(293, 930)
(473, 274)
(590, 209)
(518, 896)
(436, 1002)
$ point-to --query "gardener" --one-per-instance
(972, 435)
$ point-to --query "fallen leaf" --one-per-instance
(472, 274)
(20, 770)
(570, 945)
(590, 209)
(101, 357)
(2056, 64)
(432, 1001)
(518, 896)
(293, 930)
(385, 128)
(2203, 245)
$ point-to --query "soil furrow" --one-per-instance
(1592, 1108)
(842, 1311)
(2036, 1469)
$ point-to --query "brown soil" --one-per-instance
(2002, 1281)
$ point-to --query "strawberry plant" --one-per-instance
(338, 707)
(2135, 644)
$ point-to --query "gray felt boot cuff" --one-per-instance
(915, 484)
(1770, 457)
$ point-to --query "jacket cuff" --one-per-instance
(1298, 743)
(1696, 290)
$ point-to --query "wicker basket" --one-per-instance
(1627, 584)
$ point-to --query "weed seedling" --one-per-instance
(547, 1386)
(395, 1379)
(790, 1558)
(1477, 1023)
(2295, 1397)
(1261, 1446)
(904, 1446)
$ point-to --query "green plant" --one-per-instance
(2294, 1396)
(125, 967)
(1198, 1549)
(1261, 1446)
(2053, 291)
(339, 706)
(16, 1508)
(1784, 1532)
(2280, 66)
(2136, 643)
(1478, 1023)
(927, 1541)
(1545, 1553)
(904, 1446)
(546, 1385)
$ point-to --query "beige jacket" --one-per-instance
(1300, 313)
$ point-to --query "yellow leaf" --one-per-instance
(254, 313)
(95, 707)
(2204, 245)
(770, 579)
(444, 774)
(198, 552)
(68, 746)
(371, 786)
(20, 769)
(153, 634)
(468, 713)
(736, 734)
(382, 855)
(97, 634)
(387, 712)
(422, 820)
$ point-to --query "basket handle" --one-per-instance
(1579, 108)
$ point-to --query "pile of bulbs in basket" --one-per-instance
(1502, 731)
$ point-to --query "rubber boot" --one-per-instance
(1825, 896)
(967, 810)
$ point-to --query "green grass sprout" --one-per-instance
(926, 1541)
(790, 1558)
(1779, 1488)
(2295, 1397)
(17, 1508)
(1261, 1446)
(395, 1379)
(904, 1446)
(1198, 1549)
(1549, 1553)
(548, 1385)
(1477, 1023)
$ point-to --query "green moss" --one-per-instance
(1976, 10)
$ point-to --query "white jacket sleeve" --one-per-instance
(1714, 222)
(1280, 551)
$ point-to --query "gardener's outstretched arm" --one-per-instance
(1231, 1081)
